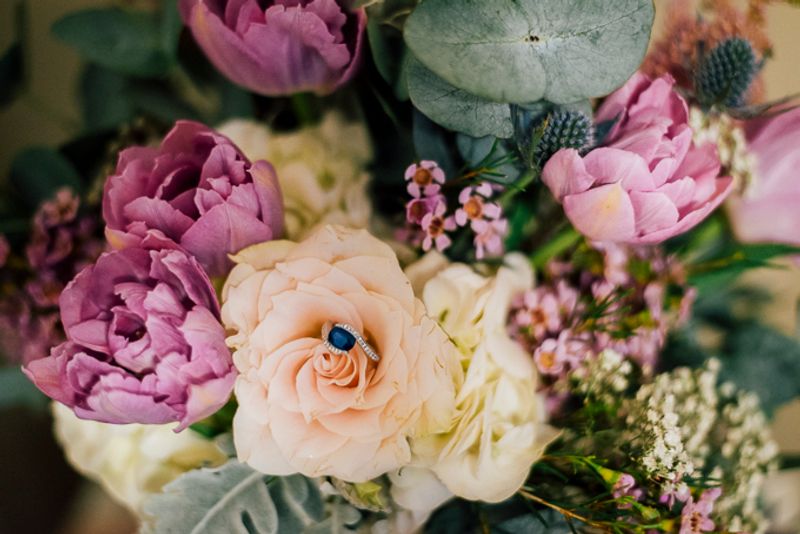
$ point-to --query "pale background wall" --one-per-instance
(48, 115)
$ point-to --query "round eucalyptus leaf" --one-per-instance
(453, 108)
(521, 51)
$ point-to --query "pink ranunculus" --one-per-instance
(196, 190)
(304, 408)
(768, 210)
(649, 182)
(279, 47)
(144, 342)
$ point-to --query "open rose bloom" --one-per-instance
(649, 182)
(279, 47)
(304, 409)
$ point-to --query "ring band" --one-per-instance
(342, 337)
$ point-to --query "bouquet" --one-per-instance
(412, 266)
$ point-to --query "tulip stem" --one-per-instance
(563, 241)
(304, 106)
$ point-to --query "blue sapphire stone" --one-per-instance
(341, 338)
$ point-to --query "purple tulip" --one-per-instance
(197, 190)
(279, 47)
(650, 182)
(145, 344)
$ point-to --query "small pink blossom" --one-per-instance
(436, 225)
(695, 515)
(418, 208)
(424, 179)
(489, 237)
(475, 205)
(556, 355)
(676, 492)
(626, 487)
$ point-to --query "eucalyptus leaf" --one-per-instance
(524, 50)
(234, 499)
(431, 143)
(453, 108)
(104, 98)
(37, 172)
(17, 390)
(129, 42)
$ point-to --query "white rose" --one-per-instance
(132, 461)
(500, 429)
(321, 169)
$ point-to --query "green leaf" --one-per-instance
(524, 50)
(105, 99)
(157, 100)
(17, 390)
(729, 263)
(547, 522)
(453, 108)
(12, 68)
(236, 498)
(763, 360)
(171, 27)
(128, 42)
(431, 143)
(37, 172)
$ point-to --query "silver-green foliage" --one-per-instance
(236, 499)
(520, 51)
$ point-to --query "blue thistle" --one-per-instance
(725, 75)
(564, 129)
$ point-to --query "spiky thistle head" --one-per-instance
(725, 74)
(564, 129)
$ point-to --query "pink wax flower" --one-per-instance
(418, 208)
(424, 179)
(650, 182)
(489, 236)
(197, 190)
(768, 212)
(626, 487)
(436, 225)
(475, 206)
(695, 515)
(279, 47)
(144, 342)
(556, 355)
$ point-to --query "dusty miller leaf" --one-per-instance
(235, 499)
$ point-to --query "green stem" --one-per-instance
(520, 185)
(304, 106)
(562, 242)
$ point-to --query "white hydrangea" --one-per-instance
(132, 461)
(321, 170)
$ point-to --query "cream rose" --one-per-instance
(500, 428)
(302, 408)
(132, 461)
(321, 169)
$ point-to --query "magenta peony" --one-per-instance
(768, 210)
(279, 47)
(144, 342)
(650, 182)
(197, 190)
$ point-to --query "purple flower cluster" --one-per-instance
(144, 342)
(61, 243)
(576, 313)
(428, 223)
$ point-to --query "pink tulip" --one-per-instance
(650, 182)
(768, 210)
